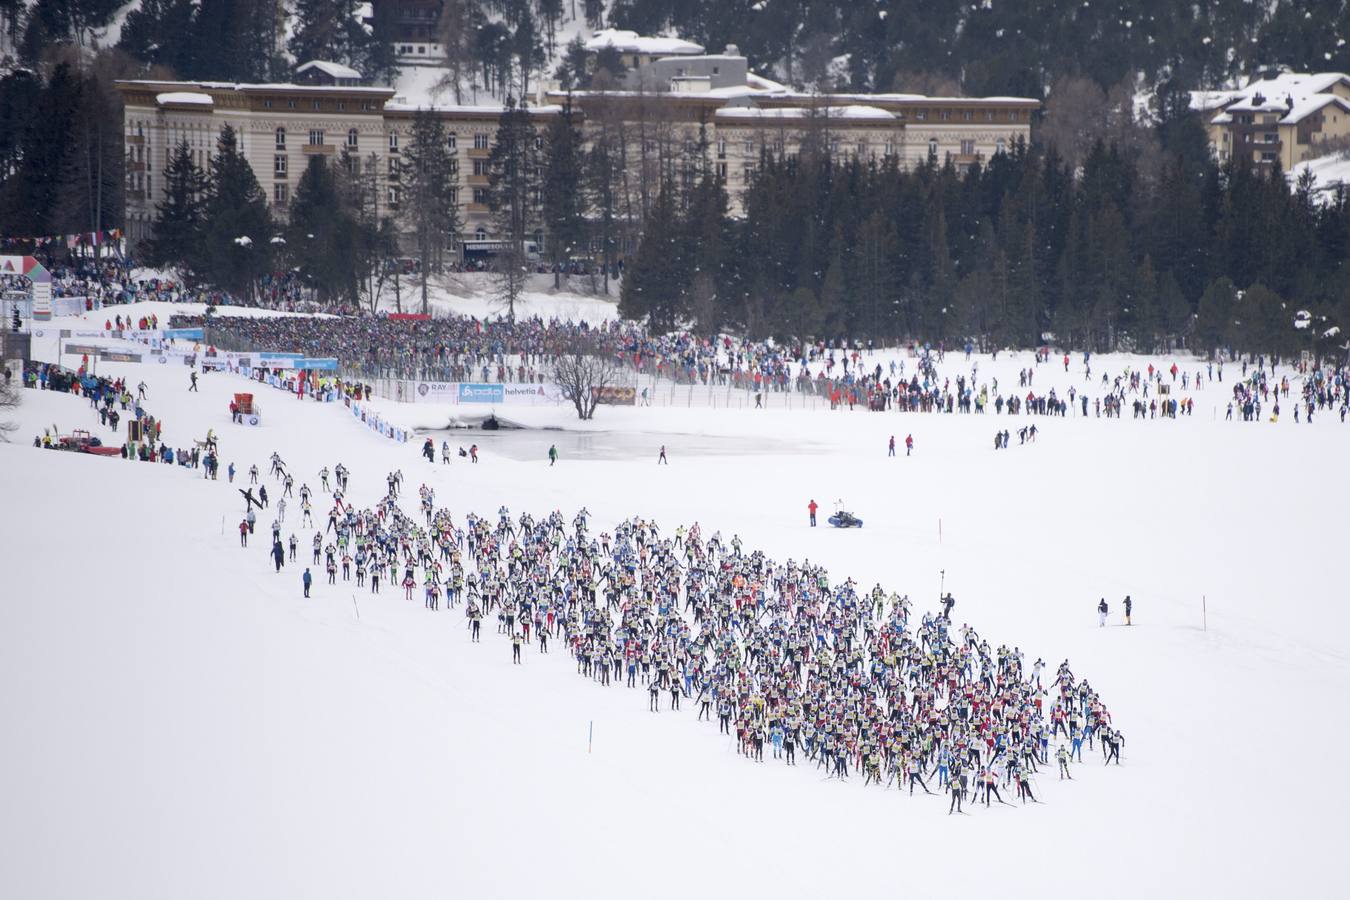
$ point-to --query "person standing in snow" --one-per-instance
(890, 448)
(909, 444)
(193, 388)
(552, 454)
(811, 508)
(1129, 607)
(307, 580)
(1101, 613)
(661, 457)
(278, 555)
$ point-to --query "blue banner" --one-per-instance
(186, 334)
(326, 365)
(482, 393)
(281, 356)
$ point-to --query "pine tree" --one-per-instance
(319, 31)
(154, 33)
(429, 206)
(30, 195)
(513, 197)
(1214, 316)
(322, 235)
(178, 217)
(234, 40)
(236, 248)
(1173, 312)
(601, 182)
(458, 35)
(653, 286)
(564, 202)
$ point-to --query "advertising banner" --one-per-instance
(533, 394)
(119, 356)
(82, 348)
(482, 393)
(185, 334)
(323, 365)
(433, 392)
(279, 360)
(615, 396)
(458, 392)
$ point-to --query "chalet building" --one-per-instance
(1280, 117)
(416, 29)
(327, 74)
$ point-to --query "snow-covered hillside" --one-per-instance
(1329, 173)
(181, 722)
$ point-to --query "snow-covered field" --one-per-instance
(180, 722)
(473, 295)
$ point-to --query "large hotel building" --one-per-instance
(680, 92)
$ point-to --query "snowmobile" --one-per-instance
(844, 519)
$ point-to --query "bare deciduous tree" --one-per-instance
(510, 275)
(583, 370)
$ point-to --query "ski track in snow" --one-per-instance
(181, 722)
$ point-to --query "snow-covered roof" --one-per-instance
(632, 42)
(759, 82)
(1203, 101)
(1294, 95)
(332, 69)
(188, 98)
(1309, 105)
(308, 89)
(853, 113)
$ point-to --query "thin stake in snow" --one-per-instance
(354, 605)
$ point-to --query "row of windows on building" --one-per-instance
(481, 167)
(281, 194)
(317, 105)
(317, 138)
(862, 148)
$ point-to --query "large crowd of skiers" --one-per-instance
(789, 664)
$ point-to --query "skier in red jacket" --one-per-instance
(812, 507)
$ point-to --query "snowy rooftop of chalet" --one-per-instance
(632, 42)
(1294, 95)
(332, 69)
